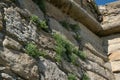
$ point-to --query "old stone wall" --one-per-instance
(80, 19)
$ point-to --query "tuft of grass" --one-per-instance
(40, 23)
(66, 50)
(65, 24)
(80, 54)
(71, 77)
(85, 77)
(74, 27)
(34, 18)
(33, 51)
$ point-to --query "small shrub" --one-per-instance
(43, 24)
(74, 27)
(40, 23)
(66, 50)
(73, 58)
(71, 77)
(79, 53)
(65, 24)
(33, 51)
(85, 77)
(77, 36)
(34, 18)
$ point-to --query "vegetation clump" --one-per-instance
(85, 77)
(71, 77)
(66, 50)
(40, 23)
(73, 27)
(33, 51)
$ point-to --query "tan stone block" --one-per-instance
(115, 66)
(117, 76)
(94, 76)
(115, 56)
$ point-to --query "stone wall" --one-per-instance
(16, 29)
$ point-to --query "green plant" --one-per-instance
(40, 23)
(66, 50)
(79, 53)
(43, 24)
(33, 51)
(74, 27)
(85, 77)
(34, 19)
(65, 24)
(77, 36)
(71, 77)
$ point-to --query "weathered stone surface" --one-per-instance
(110, 40)
(1, 38)
(17, 27)
(111, 18)
(56, 26)
(12, 44)
(114, 56)
(117, 76)
(94, 76)
(115, 66)
(32, 7)
(54, 12)
(112, 48)
(6, 76)
(21, 64)
(68, 67)
(90, 55)
(1, 23)
(87, 19)
(50, 70)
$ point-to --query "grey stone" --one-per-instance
(17, 27)
(32, 7)
(50, 71)
(12, 44)
(6, 76)
(21, 64)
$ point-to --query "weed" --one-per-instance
(65, 24)
(34, 19)
(66, 50)
(33, 51)
(40, 23)
(71, 77)
(85, 77)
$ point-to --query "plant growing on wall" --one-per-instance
(33, 51)
(71, 77)
(85, 77)
(66, 50)
(40, 23)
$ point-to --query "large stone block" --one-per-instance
(1, 23)
(55, 25)
(50, 70)
(117, 76)
(21, 64)
(94, 76)
(114, 56)
(115, 66)
(90, 55)
(12, 44)
(32, 7)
